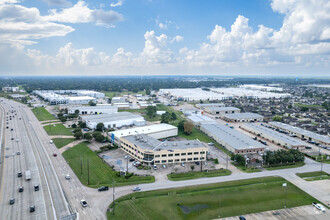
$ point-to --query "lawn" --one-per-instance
(61, 142)
(211, 201)
(196, 175)
(100, 173)
(57, 129)
(247, 169)
(311, 176)
(286, 166)
(42, 114)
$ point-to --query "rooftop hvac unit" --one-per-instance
(165, 145)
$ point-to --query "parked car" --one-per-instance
(242, 218)
(83, 203)
(197, 163)
(164, 166)
(131, 160)
(318, 206)
(155, 167)
(18, 153)
(103, 188)
(183, 165)
(135, 189)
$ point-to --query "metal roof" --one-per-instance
(244, 115)
(111, 117)
(93, 107)
(301, 131)
(262, 129)
(223, 108)
(231, 137)
(143, 130)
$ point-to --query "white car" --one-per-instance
(318, 206)
(68, 177)
(83, 203)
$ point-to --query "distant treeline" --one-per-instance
(138, 83)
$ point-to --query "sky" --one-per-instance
(165, 37)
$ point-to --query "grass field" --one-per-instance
(100, 173)
(247, 169)
(196, 175)
(211, 201)
(286, 166)
(311, 176)
(42, 114)
(57, 129)
(61, 142)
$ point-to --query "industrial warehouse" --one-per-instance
(232, 140)
(155, 131)
(115, 120)
(243, 117)
(302, 133)
(273, 136)
(149, 150)
(93, 110)
(220, 111)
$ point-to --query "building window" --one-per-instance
(189, 159)
(170, 161)
(190, 153)
(195, 152)
(183, 160)
(157, 155)
(163, 161)
(196, 158)
(177, 160)
(170, 155)
(156, 161)
(183, 154)
(202, 158)
(202, 152)
(163, 155)
(177, 154)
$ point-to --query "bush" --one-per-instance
(128, 175)
(216, 161)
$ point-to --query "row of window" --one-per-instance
(178, 154)
(178, 160)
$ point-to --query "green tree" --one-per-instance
(304, 109)
(77, 130)
(277, 118)
(99, 127)
(63, 119)
(192, 167)
(73, 125)
(151, 111)
(76, 112)
(239, 159)
(148, 91)
(91, 103)
(96, 133)
(87, 136)
(78, 135)
(289, 106)
(173, 116)
(188, 127)
(100, 138)
(82, 125)
(181, 125)
(166, 117)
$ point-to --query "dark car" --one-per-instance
(36, 187)
(131, 160)
(20, 189)
(103, 188)
(242, 218)
(12, 139)
(11, 201)
(19, 174)
(32, 208)
(54, 154)
(197, 163)
(11, 129)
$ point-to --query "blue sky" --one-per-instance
(124, 37)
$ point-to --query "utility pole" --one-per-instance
(88, 171)
(113, 198)
(286, 186)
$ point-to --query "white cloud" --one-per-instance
(119, 3)
(2, 2)
(81, 13)
(177, 38)
(60, 3)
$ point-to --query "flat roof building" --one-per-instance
(243, 117)
(79, 100)
(207, 105)
(149, 150)
(234, 141)
(115, 120)
(199, 119)
(91, 94)
(156, 131)
(302, 133)
(274, 136)
(220, 111)
(93, 110)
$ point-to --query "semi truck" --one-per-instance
(28, 175)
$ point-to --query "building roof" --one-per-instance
(304, 132)
(210, 104)
(243, 115)
(77, 98)
(93, 107)
(262, 129)
(231, 137)
(111, 117)
(143, 130)
(198, 118)
(223, 108)
(149, 143)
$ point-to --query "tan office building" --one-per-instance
(149, 150)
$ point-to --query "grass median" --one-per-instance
(61, 142)
(42, 114)
(57, 129)
(212, 200)
(196, 175)
(311, 176)
(279, 167)
(100, 174)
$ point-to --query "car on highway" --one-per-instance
(32, 208)
(18, 153)
(103, 188)
(20, 189)
(19, 174)
(83, 203)
(242, 217)
(11, 129)
(36, 187)
(7, 127)
(7, 148)
(12, 139)
(67, 177)
(318, 206)
(135, 189)
(17, 140)
(7, 156)
(55, 154)
(11, 201)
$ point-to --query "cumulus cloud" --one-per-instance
(119, 3)
(81, 13)
(177, 38)
(60, 3)
(8, 2)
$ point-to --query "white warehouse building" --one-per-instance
(91, 94)
(94, 110)
(80, 100)
(115, 120)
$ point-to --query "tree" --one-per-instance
(82, 124)
(239, 159)
(78, 134)
(166, 117)
(277, 118)
(63, 119)
(99, 127)
(188, 127)
(173, 116)
(181, 125)
(148, 91)
(96, 133)
(77, 130)
(87, 136)
(91, 103)
(304, 109)
(76, 112)
(73, 125)
(192, 167)
(151, 111)
(290, 106)
(100, 138)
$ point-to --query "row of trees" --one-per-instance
(283, 156)
(97, 135)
